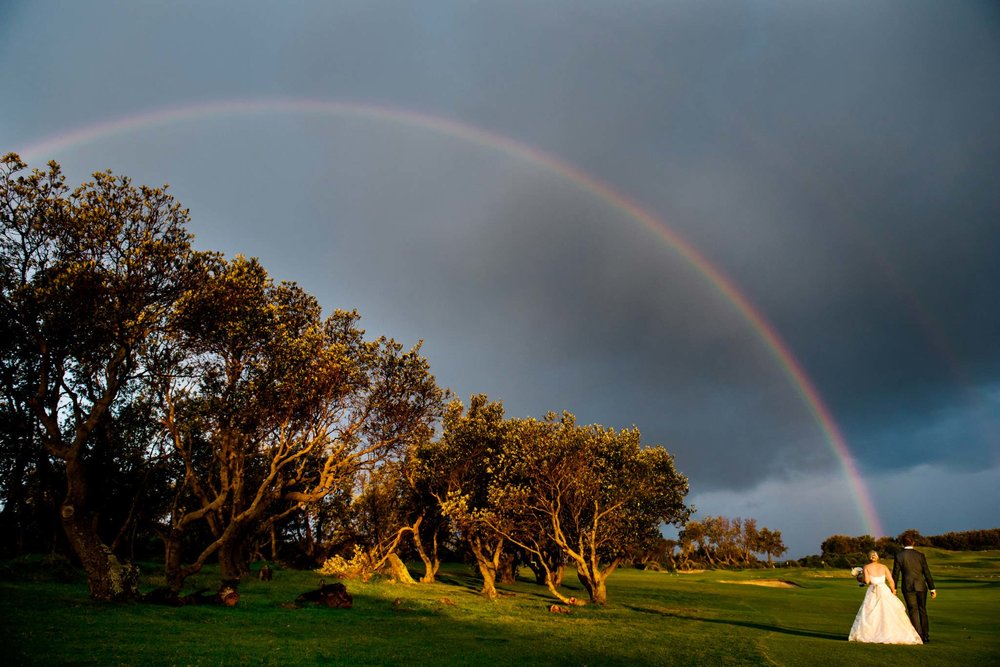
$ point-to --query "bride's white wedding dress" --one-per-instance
(882, 618)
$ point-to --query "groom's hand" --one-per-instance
(933, 594)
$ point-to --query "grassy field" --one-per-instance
(653, 618)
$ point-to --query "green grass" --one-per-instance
(652, 618)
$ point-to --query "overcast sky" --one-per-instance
(839, 162)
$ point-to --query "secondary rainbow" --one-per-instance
(790, 366)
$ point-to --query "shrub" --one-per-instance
(360, 566)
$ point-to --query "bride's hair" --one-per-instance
(872, 556)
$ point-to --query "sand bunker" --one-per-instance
(772, 583)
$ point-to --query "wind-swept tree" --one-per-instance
(427, 525)
(89, 276)
(723, 542)
(721, 539)
(458, 468)
(770, 542)
(271, 408)
(693, 542)
(594, 493)
(381, 519)
(748, 539)
(512, 510)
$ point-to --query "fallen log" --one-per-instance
(334, 596)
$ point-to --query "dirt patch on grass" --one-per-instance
(690, 571)
(771, 583)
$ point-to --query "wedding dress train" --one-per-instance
(882, 618)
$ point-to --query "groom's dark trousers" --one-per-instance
(916, 607)
(915, 581)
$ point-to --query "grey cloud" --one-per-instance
(836, 160)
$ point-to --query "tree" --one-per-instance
(458, 468)
(748, 539)
(29, 518)
(380, 516)
(887, 546)
(511, 511)
(595, 493)
(770, 543)
(89, 277)
(271, 408)
(693, 542)
(722, 534)
(725, 542)
(914, 534)
(127, 476)
(839, 545)
(427, 523)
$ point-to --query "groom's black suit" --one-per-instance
(916, 581)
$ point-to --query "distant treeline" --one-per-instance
(847, 551)
(968, 540)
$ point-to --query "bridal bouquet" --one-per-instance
(859, 574)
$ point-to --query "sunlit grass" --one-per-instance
(652, 618)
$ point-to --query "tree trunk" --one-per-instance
(430, 559)
(487, 560)
(599, 594)
(489, 580)
(581, 575)
(594, 579)
(398, 569)
(552, 581)
(507, 569)
(172, 560)
(310, 547)
(547, 565)
(594, 583)
(107, 578)
(234, 561)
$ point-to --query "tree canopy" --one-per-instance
(271, 407)
(89, 278)
(592, 492)
(161, 397)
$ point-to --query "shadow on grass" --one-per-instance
(684, 615)
(468, 582)
(525, 588)
(971, 582)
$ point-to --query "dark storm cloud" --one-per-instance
(838, 161)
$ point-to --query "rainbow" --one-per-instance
(790, 366)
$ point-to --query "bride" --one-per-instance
(882, 618)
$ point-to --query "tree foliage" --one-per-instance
(271, 408)
(458, 469)
(89, 278)
(718, 541)
(553, 489)
(149, 392)
(847, 550)
(593, 492)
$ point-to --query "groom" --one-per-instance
(915, 584)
